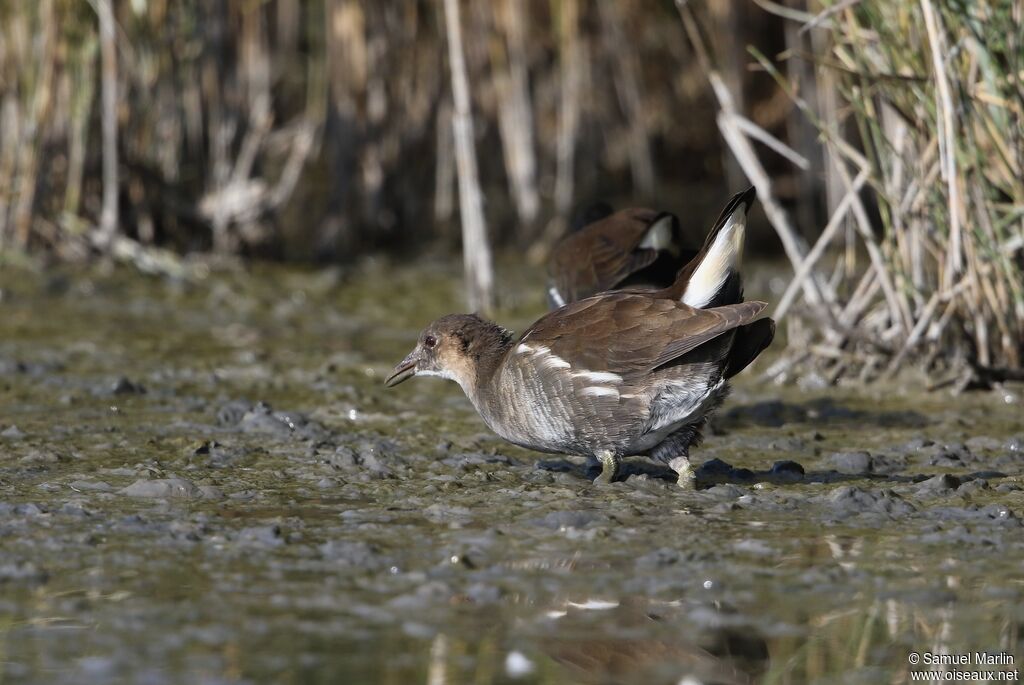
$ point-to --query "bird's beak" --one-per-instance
(405, 370)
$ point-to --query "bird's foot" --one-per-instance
(609, 467)
(684, 470)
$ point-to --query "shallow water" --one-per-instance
(159, 525)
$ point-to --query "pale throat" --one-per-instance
(461, 374)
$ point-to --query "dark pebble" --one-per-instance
(126, 386)
(786, 472)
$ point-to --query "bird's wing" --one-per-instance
(603, 254)
(630, 334)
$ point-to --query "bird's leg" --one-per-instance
(684, 470)
(609, 466)
(675, 451)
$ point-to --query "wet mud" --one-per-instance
(207, 483)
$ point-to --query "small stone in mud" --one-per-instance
(170, 488)
(355, 554)
(217, 456)
(126, 386)
(443, 513)
(753, 547)
(90, 486)
(261, 418)
(74, 508)
(468, 462)
(364, 459)
(972, 487)
(12, 432)
(955, 455)
(27, 509)
(261, 536)
(23, 572)
(787, 471)
(230, 413)
(848, 501)
(715, 467)
(558, 520)
(659, 558)
(940, 484)
(996, 514)
(717, 471)
(44, 456)
(983, 442)
(484, 593)
(851, 462)
(724, 491)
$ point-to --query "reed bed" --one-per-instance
(918, 107)
(885, 142)
(322, 129)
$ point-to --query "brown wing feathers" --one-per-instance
(632, 334)
(603, 254)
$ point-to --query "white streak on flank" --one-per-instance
(556, 297)
(553, 361)
(598, 390)
(594, 604)
(544, 357)
(724, 256)
(659, 235)
(598, 376)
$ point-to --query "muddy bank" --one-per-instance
(208, 483)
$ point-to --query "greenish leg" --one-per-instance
(681, 465)
(609, 466)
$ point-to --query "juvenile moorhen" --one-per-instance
(618, 374)
(631, 248)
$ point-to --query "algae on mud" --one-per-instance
(159, 524)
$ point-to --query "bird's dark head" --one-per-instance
(456, 347)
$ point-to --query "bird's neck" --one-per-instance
(483, 352)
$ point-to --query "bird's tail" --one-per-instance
(712, 278)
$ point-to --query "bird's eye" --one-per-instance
(430, 341)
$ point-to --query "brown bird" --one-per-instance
(618, 374)
(631, 248)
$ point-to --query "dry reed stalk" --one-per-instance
(569, 60)
(38, 112)
(515, 111)
(814, 289)
(475, 247)
(108, 97)
(906, 136)
(805, 268)
(948, 270)
(628, 91)
(947, 144)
